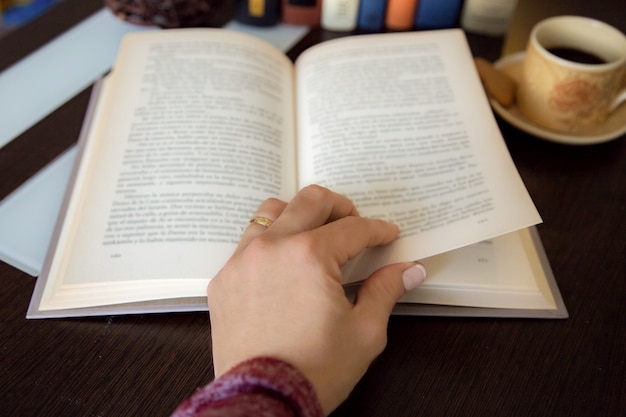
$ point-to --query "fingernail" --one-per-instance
(413, 276)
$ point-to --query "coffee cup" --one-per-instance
(573, 75)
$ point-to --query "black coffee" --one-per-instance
(576, 55)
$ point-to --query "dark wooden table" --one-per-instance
(145, 365)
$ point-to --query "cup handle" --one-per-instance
(621, 97)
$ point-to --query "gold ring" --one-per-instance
(263, 221)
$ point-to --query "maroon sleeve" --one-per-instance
(264, 387)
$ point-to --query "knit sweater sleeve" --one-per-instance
(264, 387)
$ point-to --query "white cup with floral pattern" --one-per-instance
(574, 73)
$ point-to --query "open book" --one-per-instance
(195, 127)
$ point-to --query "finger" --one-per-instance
(313, 207)
(270, 209)
(381, 291)
(345, 238)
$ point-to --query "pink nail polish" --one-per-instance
(413, 276)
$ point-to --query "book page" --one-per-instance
(503, 272)
(195, 130)
(400, 123)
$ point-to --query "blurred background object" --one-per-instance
(163, 13)
(14, 13)
(487, 17)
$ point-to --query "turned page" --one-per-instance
(400, 123)
(195, 131)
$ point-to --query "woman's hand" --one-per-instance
(280, 295)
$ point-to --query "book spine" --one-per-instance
(438, 14)
(340, 15)
(400, 14)
(258, 12)
(372, 15)
(302, 12)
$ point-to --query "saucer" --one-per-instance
(614, 127)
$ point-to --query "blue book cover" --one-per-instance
(372, 15)
(438, 14)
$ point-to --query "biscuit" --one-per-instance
(498, 85)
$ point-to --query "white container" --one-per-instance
(488, 17)
(339, 15)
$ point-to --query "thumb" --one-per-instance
(382, 290)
